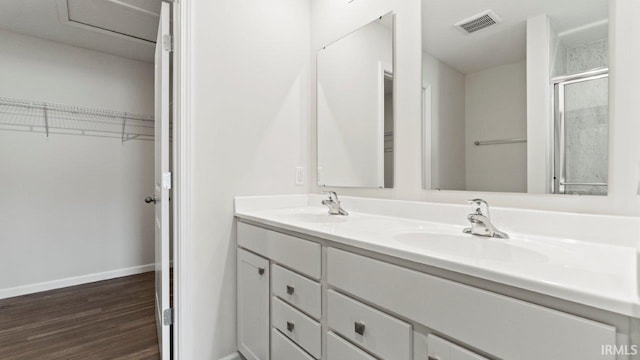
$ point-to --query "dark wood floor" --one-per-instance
(108, 320)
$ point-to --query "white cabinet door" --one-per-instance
(285, 349)
(297, 290)
(300, 255)
(162, 181)
(473, 316)
(300, 328)
(340, 349)
(253, 306)
(373, 330)
(458, 353)
(440, 349)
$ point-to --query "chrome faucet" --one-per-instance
(480, 221)
(333, 204)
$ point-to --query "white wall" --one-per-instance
(540, 40)
(463, 110)
(333, 18)
(448, 169)
(72, 205)
(349, 76)
(250, 108)
(495, 108)
(557, 54)
(48, 71)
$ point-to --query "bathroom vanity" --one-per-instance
(400, 280)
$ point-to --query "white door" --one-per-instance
(162, 184)
(253, 306)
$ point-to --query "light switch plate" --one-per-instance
(299, 175)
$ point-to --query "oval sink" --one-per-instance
(471, 247)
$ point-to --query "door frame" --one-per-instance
(182, 125)
(162, 172)
(385, 71)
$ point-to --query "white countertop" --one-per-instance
(587, 272)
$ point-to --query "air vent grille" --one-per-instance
(478, 22)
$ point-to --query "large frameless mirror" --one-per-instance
(355, 108)
(516, 95)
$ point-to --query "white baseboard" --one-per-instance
(234, 356)
(71, 281)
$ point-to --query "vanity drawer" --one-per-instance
(340, 349)
(301, 255)
(297, 290)
(285, 349)
(300, 328)
(473, 316)
(440, 349)
(383, 335)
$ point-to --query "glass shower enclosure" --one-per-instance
(581, 133)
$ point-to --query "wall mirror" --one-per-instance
(355, 108)
(516, 95)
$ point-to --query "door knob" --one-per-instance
(290, 326)
(150, 199)
(290, 289)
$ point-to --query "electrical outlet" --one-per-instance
(299, 175)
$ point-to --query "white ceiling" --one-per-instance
(502, 43)
(124, 28)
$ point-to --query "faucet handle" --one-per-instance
(479, 207)
(333, 196)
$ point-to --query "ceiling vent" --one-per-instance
(478, 22)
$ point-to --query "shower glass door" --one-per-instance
(581, 160)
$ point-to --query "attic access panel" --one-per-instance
(135, 20)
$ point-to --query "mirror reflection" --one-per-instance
(355, 108)
(516, 96)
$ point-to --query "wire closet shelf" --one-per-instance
(50, 118)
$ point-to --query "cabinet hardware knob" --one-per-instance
(261, 271)
(359, 328)
(290, 326)
(290, 289)
(433, 357)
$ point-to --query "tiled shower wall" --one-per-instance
(588, 56)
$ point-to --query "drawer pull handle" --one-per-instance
(290, 289)
(290, 326)
(433, 357)
(359, 328)
(261, 271)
